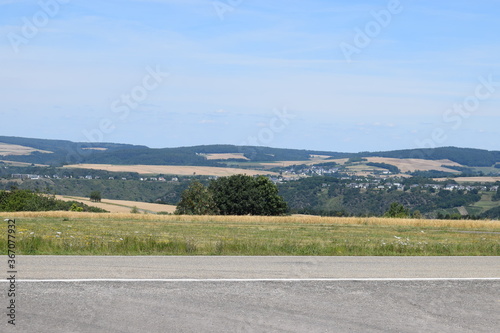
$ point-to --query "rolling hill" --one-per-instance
(349, 184)
(61, 152)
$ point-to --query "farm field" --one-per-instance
(314, 160)
(9, 149)
(414, 164)
(482, 205)
(404, 164)
(171, 170)
(121, 206)
(22, 164)
(225, 156)
(69, 233)
(472, 179)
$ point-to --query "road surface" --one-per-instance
(254, 294)
(215, 267)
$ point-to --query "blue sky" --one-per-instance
(326, 75)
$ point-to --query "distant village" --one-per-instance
(377, 182)
(90, 177)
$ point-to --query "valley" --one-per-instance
(442, 182)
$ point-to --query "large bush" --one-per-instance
(197, 200)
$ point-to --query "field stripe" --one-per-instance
(258, 280)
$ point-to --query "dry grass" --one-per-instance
(121, 206)
(171, 170)
(69, 233)
(414, 164)
(294, 219)
(8, 149)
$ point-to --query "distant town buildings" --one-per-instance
(354, 182)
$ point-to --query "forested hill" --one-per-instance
(67, 152)
(465, 156)
(60, 152)
(195, 155)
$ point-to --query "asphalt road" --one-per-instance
(215, 267)
(250, 294)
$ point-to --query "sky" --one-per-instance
(346, 76)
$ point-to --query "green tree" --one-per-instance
(243, 195)
(196, 200)
(416, 214)
(95, 196)
(397, 210)
(76, 208)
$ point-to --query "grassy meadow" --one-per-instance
(71, 233)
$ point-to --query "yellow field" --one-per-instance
(121, 206)
(21, 164)
(405, 165)
(271, 220)
(414, 164)
(472, 179)
(225, 156)
(8, 149)
(172, 170)
(306, 162)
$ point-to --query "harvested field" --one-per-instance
(8, 149)
(306, 162)
(21, 164)
(405, 165)
(171, 170)
(121, 206)
(472, 179)
(227, 156)
(414, 164)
